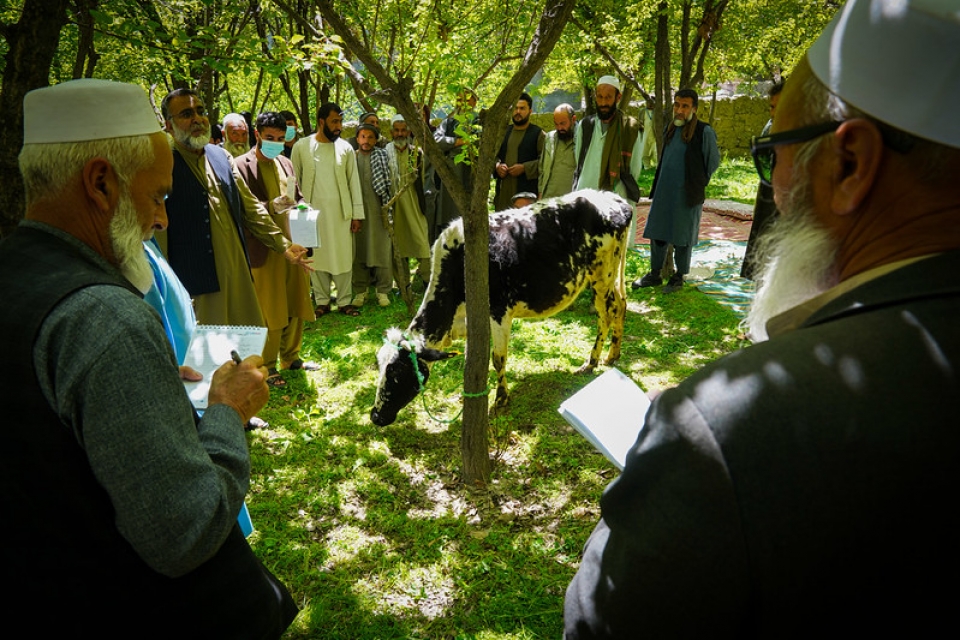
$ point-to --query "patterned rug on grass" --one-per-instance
(715, 270)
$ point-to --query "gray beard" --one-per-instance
(797, 257)
(196, 143)
(236, 149)
(126, 240)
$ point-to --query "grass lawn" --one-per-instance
(371, 528)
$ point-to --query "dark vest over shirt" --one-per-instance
(527, 150)
(68, 567)
(189, 242)
(696, 179)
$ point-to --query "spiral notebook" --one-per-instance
(210, 347)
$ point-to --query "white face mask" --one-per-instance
(291, 133)
(271, 149)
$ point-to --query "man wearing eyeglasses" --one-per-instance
(689, 158)
(804, 486)
(764, 208)
(209, 207)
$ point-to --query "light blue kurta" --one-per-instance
(670, 219)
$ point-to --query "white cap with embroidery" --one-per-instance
(897, 60)
(86, 109)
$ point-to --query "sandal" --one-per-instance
(306, 366)
(274, 379)
(255, 423)
(349, 310)
(321, 310)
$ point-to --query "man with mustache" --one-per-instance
(372, 119)
(608, 146)
(209, 208)
(558, 162)
(406, 164)
(687, 162)
(518, 161)
(124, 501)
(236, 137)
(373, 250)
(805, 486)
(326, 169)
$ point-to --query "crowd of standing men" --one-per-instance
(797, 485)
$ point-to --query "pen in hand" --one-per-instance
(235, 356)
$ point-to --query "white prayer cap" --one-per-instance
(613, 81)
(897, 60)
(397, 118)
(86, 109)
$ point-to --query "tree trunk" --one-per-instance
(87, 55)
(398, 92)
(31, 45)
(664, 97)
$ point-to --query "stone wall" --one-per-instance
(736, 120)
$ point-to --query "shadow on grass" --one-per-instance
(371, 528)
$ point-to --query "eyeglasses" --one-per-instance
(762, 148)
(188, 114)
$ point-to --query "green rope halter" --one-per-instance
(420, 381)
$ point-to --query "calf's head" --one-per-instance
(403, 373)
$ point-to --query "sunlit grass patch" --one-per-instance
(371, 527)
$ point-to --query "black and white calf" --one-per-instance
(541, 258)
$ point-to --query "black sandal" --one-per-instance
(274, 379)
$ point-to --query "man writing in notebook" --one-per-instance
(120, 504)
(804, 486)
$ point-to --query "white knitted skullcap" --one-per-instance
(613, 81)
(897, 60)
(86, 109)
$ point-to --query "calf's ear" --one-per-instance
(435, 355)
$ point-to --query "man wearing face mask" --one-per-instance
(406, 175)
(282, 289)
(290, 137)
(689, 158)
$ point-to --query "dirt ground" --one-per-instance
(721, 220)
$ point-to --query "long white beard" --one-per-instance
(797, 257)
(126, 240)
(236, 149)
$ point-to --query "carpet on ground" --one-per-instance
(715, 270)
